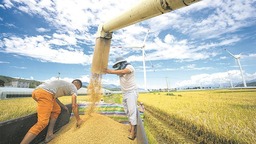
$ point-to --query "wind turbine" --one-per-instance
(142, 47)
(230, 80)
(166, 78)
(237, 58)
(144, 64)
(58, 75)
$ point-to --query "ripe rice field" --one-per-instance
(216, 116)
(206, 116)
(18, 107)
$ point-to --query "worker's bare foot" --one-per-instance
(132, 136)
(49, 138)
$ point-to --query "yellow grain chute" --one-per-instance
(144, 10)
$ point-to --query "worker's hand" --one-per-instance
(79, 123)
(106, 71)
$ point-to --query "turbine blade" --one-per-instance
(145, 38)
(231, 54)
(132, 47)
(126, 47)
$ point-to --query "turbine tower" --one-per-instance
(230, 80)
(144, 64)
(58, 75)
(237, 58)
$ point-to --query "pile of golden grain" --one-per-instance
(97, 129)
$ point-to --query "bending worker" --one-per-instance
(49, 107)
(125, 71)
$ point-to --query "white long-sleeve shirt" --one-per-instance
(127, 81)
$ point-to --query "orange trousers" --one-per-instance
(47, 108)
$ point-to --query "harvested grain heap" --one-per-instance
(97, 129)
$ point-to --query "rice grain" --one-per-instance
(97, 129)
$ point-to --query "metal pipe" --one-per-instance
(146, 9)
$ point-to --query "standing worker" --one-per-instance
(49, 107)
(125, 71)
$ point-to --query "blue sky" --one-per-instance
(184, 48)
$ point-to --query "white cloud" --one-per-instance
(68, 79)
(251, 76)
(17, 67)
(227, 17)
(8, 4)
(77, 17)
(169, 39)
(223, 57)
(69, 39)
(111, 80)
(215, 79)
(178, 49)
(40, 48)
(42, 30)
(4, 62)
(10, 25)
(253, 55)
(83, 78)
(207, 19)
(2, 6)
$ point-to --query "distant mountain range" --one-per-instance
(248, 83)
(34, 83)
(111, 87)
(85, 84)
(7, 81)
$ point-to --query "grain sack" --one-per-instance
(97, 129)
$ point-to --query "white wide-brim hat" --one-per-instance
(118, 60)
